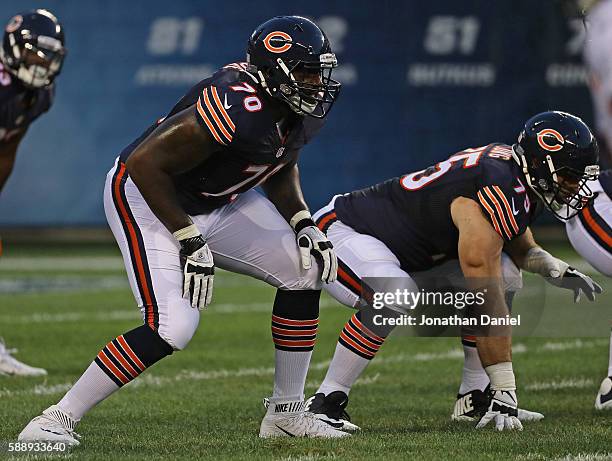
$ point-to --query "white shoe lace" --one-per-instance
(307, 423)
(61, 420)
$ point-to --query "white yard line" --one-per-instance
(23, 285)
(120, 315)
(151, 380)
(104, 263)
(586, 457)
(61, 263)
(561, 383)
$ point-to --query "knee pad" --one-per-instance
(301, 279)
(147, 344)
(178, 323)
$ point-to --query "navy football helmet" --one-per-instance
(293, 61)
(33, 48)
(558, 154)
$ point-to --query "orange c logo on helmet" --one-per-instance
(277, 35)
(549, 132)
(14, 23)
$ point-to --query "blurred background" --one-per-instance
(421, 81)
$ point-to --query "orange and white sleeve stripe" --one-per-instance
(497, 206)
(212, 113)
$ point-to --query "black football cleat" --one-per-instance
(331, 409)
(472, 405)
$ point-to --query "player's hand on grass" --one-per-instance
(526, 415)
(503, 411)
(198, 271)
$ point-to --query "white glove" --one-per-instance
(504, 410)
(560, 274)
(198, 271)
(526, 415)
(311, 240)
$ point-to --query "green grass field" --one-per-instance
(61, 305)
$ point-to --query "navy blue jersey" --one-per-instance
(20, 106)
(258, 136)
(411, 214)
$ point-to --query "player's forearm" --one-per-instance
(519, 249)
(163, 155)
(157, 188)
(285, 192)
(494, 343)
(529, 256)
(486, 281)
(7, 161)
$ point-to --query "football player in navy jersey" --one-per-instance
(180, 200)
(468, 215)
(31, 57)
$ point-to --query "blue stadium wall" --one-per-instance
(422, 79)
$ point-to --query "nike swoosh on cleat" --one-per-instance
(332, 424)
(605, 398)
(286, 432)
(52, 432)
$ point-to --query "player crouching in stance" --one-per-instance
(470, 214)
(590, 233)
(179, 201)
(31, 57)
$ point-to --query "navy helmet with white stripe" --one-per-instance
(558, 154)
(293, 61)
(33, 48)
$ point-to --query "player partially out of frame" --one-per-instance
(590, 232)
(469, 214)
(31, 56)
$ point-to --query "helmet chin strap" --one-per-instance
(520, 158)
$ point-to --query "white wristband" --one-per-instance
(186, 232)
(501, 376)
(303, 214)
(540, 261)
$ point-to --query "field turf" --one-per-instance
(61, 305)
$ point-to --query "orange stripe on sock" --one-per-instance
(130, 352)
(112, 368)
(355, 345)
